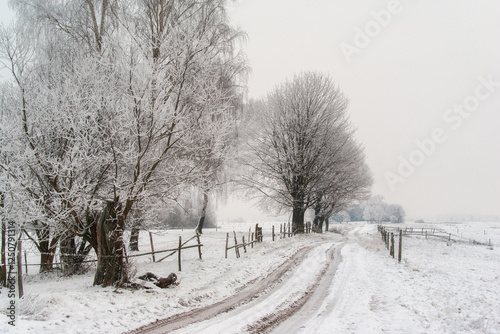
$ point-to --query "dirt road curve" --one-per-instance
(269, 304)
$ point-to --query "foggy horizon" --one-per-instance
(414, 72)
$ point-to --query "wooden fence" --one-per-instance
(258, 236)
(388, 239)
(57, 265)
(237, 245)
(178, 249)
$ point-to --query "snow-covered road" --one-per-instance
(278, 304)
(295, 298)
(270, 301)
(353, 286)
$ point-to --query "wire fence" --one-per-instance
(389, 233)
(61, 260)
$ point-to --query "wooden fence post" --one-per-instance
(227, 243)
(400, 250)
(273, 232)
(152, 246)
(392, 245)
(179, 252)
(236, 248)
(25, 262)
(281, 231)
(199, 245)
(253, 239)
(19, 269)
(244, 245)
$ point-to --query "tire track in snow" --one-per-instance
(337, 301)
(258, 290)
(316, 298)
(334, 297)
(265, 312)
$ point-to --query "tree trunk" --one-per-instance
(319, 228)
(298, 219)
(327, 224)
(199, 227)
(47, 248)
(134, 237)
(317, 218)
(90, 234)
(68, 254)
(72, 256)
(46, 258)
(111, 258)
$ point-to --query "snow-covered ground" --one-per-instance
(439, 287)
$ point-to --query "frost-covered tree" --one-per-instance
(300, 149)
(342, 216)
(111, 110)
(217, 147)
(375, 210)
(348, 181)
(356, 212)
(52, 147)
(396, 213)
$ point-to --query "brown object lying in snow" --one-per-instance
(162, 282)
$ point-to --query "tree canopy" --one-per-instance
(302, 151)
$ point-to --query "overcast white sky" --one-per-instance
(404, 78)
(403, 81)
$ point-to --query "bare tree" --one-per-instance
(298, 153)
(349, 180)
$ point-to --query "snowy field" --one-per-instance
(439, 287)
(436, 289)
